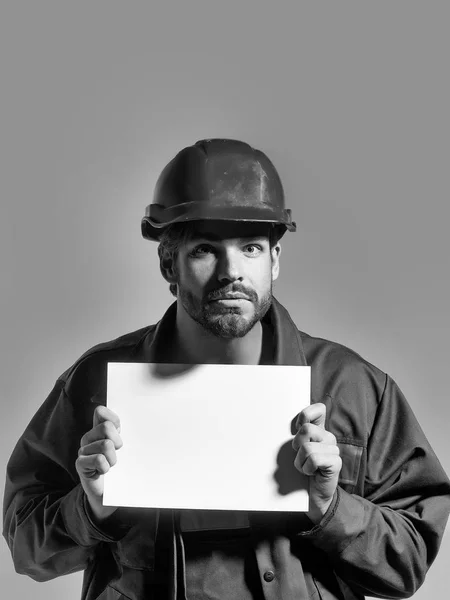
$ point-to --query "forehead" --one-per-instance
(223, 230)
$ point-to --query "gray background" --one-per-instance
(349, 99)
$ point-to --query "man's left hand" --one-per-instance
(318, 457)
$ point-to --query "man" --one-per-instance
(379, 499)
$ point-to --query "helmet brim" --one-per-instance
(158, 218)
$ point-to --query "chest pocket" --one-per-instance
(351, 462)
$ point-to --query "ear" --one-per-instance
(276, 251)
(167, 266)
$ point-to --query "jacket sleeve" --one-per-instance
(47, 525)
(382, 544)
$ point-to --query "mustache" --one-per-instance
(234, 288)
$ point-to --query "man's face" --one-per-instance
(224, 275)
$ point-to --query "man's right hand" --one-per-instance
(97, 454)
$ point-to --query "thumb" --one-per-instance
(102, 413)
(314, 413)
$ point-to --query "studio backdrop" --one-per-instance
(350, 101)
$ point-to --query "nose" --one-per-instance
(229, 267)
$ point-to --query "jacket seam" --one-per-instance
(110, 347)
(351, 441)
(122, 595)
(342, 347)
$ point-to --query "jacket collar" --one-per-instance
(287, 341)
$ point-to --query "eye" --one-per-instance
(201, 250)
(253, 249)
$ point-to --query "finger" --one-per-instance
(312, 433)
(105, 447)
(103, 431)
(316, 448)
(326, 463)
(103, 413)
(314, 413)
(92, 466)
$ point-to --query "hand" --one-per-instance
(318, 457)
(97, 454)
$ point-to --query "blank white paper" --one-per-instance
(207, 436)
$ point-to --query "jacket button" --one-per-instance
(269, 576)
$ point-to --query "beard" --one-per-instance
(225, 322)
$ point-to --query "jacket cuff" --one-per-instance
(340, 525)
(80, 524)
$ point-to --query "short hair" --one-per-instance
(175, 235)
(171, 239)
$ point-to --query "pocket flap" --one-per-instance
(351, 460)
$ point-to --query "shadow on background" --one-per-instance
(287, 476)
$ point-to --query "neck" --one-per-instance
(195, 345)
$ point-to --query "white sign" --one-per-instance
(207, 436)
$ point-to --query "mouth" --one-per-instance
(230, 298)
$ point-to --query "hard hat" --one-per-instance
(217, 179)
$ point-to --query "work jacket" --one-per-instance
(379, 536)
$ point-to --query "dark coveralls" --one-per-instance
(378, 537)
